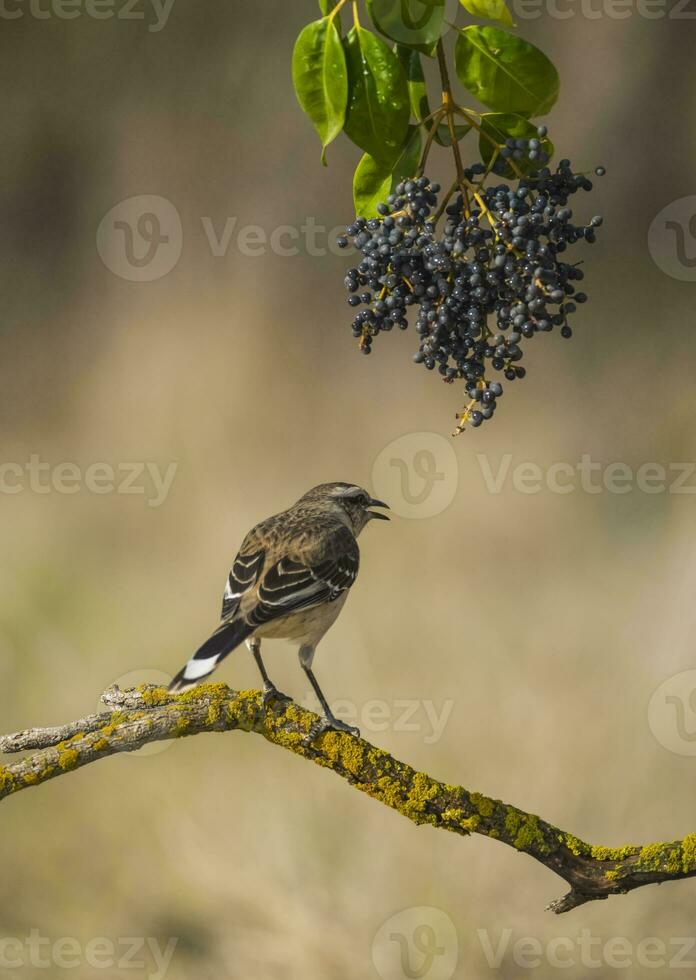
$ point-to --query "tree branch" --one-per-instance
(150, 714)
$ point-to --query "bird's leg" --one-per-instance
(270, 691)
(329, 722)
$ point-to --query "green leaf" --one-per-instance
(373, 183)
(378, 106)
(443, 136)
(418, 95)
(326, 6)
(415, 23)
(496, 127)
(489, 9)
(506, 73)
(320, 78)
(415, 79)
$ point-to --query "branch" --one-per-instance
(149, 714)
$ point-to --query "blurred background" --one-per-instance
(532, 644)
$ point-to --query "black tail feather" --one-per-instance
(207, 657)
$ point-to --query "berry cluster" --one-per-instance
(494, 278)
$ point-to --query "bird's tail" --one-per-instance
(205, 660)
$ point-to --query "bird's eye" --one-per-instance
(363, 499)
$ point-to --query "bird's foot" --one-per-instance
(329, 724)
(271, 693)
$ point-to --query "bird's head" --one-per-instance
(349, 502)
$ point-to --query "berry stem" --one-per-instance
(437, 117)
(467, 114)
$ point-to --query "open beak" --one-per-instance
(376, 514)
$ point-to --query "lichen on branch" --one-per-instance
(136, 717)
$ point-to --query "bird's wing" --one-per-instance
(245, 573)
(299, 582)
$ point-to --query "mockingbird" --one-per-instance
(289, 581)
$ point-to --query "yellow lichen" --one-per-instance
(600, 853)
(576, 846)
(153, 697)
(67, 759)
(214, 713)
(389, 791)
(483, 804)
(470, 824)
(182, 726)
(524, 831)
(6, 780)
(217, 690)
(344, 750)
(688, 853)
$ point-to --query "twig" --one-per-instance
(150, 714)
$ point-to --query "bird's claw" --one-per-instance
(329, 724)
(271, 693)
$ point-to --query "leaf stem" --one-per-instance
(449, 107)
(337, 8)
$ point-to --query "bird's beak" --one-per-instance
(376, 514)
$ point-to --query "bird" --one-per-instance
(290, 581)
